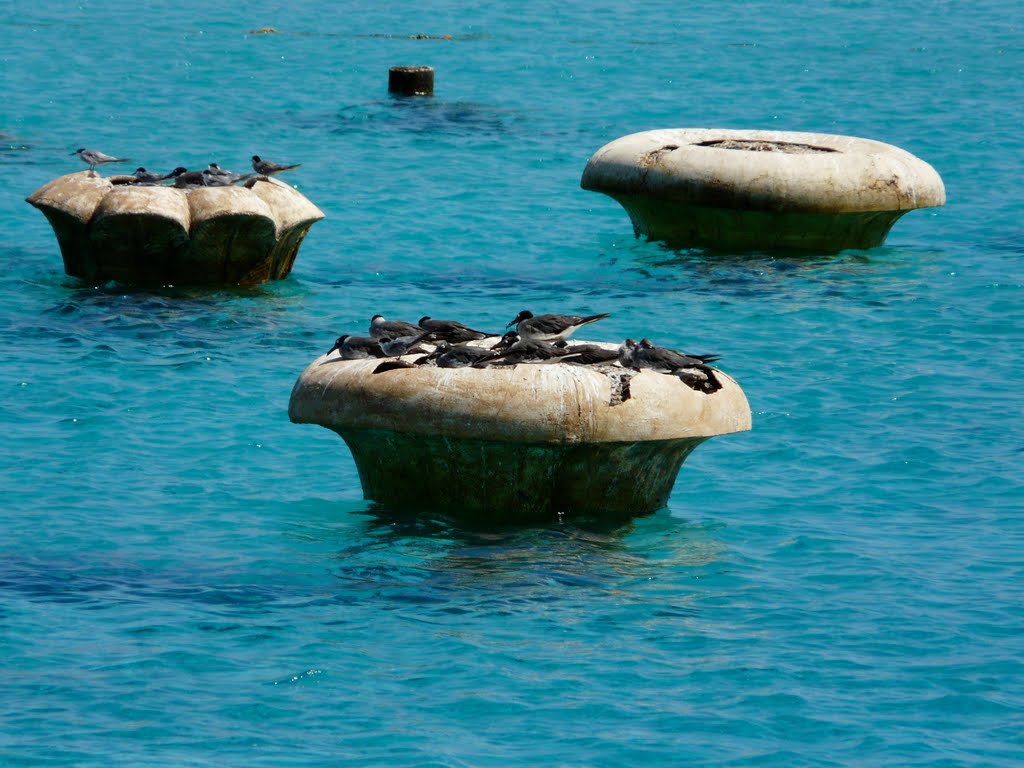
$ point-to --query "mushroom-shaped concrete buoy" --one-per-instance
(746, 189)
(112, 229)
(515, 442)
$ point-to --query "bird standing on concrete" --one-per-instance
(93, 158)
(267, 168)
(550, 327)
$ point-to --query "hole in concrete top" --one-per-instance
(753, 145)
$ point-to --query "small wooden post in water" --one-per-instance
(411, 81)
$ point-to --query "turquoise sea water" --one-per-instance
(187, 579)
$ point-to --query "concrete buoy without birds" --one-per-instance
(754, 190)
(411, 81)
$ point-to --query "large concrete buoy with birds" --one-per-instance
(754, 190)
(507, 442)
(111, 228)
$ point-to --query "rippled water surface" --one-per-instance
(187, 579)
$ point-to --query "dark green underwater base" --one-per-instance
(511, 481)
(681, 225)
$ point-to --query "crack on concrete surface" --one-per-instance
(753, 145)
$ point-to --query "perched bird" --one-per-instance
(448, 356)
(186, 179)
(550, 327)
(145, 178)
(404, 345)
(589, 354)
(93, 158)
(449, 330)
(218, 177)
(651, 356)
(356, 347)
(507, 340)
(393, 329)
(625, 353)
(518, 350)
(692, 370)
(267, 168)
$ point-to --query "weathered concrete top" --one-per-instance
(527, 403)
(110, 229)
(85, 196)
(764, 170)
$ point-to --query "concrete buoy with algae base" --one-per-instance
(748, 189)
(518, 442)
(110, 229)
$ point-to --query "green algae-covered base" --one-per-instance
(729, 189)
(681, 225)
(501, 481)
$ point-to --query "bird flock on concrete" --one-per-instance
(533, 339)
(182, 178)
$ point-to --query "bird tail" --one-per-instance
(708, 383)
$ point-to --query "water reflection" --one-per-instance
(427, 115)
(756, 273)
(172, 312)
(466, 567)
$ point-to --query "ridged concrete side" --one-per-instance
(159, 234)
